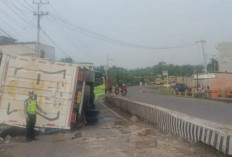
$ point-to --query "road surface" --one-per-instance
(204, 109)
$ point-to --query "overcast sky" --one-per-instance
(152, 23)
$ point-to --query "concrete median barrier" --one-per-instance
(190, 128)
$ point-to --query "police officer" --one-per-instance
(30, 107)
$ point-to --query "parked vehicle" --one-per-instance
(64, 90)
(180, 87)
(159, 81)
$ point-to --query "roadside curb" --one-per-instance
(190, 128)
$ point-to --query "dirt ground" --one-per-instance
(113, 136)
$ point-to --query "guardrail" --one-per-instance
(190, 128)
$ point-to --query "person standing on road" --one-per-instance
(30, 107)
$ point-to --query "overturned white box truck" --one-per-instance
(63, 90)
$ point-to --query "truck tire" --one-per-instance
(90, 114)
(91, 120)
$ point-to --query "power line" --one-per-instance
(9, 16)
(69, 39)
(5, 32)
(19, 10)
(28, 5)
(16, 6)
(95, 35)
(27, 8)
(21, 17)
(9, 26)
(57, 25)
(55, 44)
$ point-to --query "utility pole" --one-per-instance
(203, 51)
(196, 72)
(107, 67)
(39, 15)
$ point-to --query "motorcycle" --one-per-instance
(123, 92)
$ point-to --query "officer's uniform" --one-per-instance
(30, 108)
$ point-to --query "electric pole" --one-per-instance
(107, 67)
(39, 15)
(203, 51)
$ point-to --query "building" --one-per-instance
(9, 45)
(225, 57)
(6, 40)
(28, 49)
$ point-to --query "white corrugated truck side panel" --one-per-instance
(53, 84)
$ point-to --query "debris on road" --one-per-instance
(144, 132)
(148, 143)
(1, 140)
(191, 150)
(110, 126)
(119, 122)
(58, 137)
(77, 135)
(134, 119)
(84, 139)
(7, 139)
(124, 131)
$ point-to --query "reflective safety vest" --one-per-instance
(31, 106)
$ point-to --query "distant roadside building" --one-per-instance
(10, 46)
(6, 40)
(225, 57)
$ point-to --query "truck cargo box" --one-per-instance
(58, 87)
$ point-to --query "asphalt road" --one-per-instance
(204, 109)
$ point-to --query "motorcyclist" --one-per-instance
(123, 87)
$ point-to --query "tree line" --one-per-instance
(121, 75)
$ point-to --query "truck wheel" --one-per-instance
(91, 120)
(124, 92)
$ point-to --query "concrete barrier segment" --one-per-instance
(190, 128)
